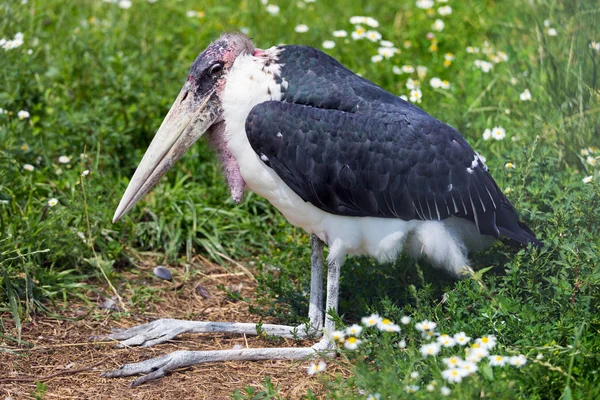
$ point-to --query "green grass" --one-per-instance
(99, 80)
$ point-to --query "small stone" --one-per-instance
(163, 273)
(202, 291)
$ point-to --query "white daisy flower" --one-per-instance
(591, 160)
(485, 66)
(405, 320)
(338, 336)
(302, 28)
(272, 9)
(358, 33)
(477, 354)
(552, 32)
(472, 50)
(445, 10)
(498, 133)
(358, 19)
(396, 70)
(454, 375)
(525, 96)
(402, 344)
(372, 22)
(354, 330)
(352, 343)
(377, 58)
(435, 83)
(445, 84)
(316, 368)
(547, 23)
(425, 325)
(23, 114)
(415, 95)
(588, 179)
(64, 159)
(409, 69)
(446, 340)
(438, 25)
(85, 172)
(497, 360)
(328, 44)
(412, 84)
(518, 361)
(425, 4)
(431, 349)
(125, 4)
(371, 320)
(386, 325)
(340, 33)
(469, 367)
(386, 43)
(445, 391)
(489, 341)
(453, 362)
(487, 134)
(509, 165)
(52, 202)
(387, 52)
(403, 97)
(430, 387)
(595, 45)
(422, 71)
(373, 36)
(414, 375)
(28, 167)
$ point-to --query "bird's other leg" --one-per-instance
(315, 307)
(333, 290)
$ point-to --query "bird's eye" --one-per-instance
(215, 68)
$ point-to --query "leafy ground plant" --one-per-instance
(86, 84)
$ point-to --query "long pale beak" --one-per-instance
(188, 119)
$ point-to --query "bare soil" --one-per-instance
(60, 356)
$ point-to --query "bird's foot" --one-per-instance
(158, 367)
(163, 330)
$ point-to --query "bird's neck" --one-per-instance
(253, 79)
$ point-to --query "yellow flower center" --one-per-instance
(352, 340)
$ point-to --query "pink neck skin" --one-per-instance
(231, 168)
(258, 53)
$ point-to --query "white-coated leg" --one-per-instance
(333, 291)
(166, 329)
(163, 330)
(158, 367)
(315, 306)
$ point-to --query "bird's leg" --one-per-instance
(167, 329)
(163, 330)
(331, 304)
(315, 306)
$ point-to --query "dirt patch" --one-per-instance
(60, 356)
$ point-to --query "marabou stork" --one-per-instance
(358, 168)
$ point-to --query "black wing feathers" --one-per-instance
(350, 148)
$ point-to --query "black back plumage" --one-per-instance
(350, 148)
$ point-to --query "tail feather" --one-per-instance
(507, 221)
